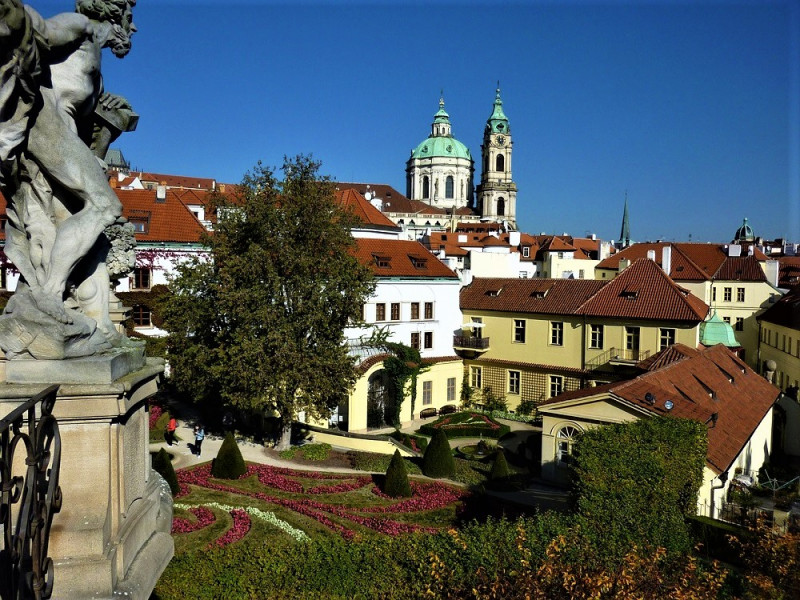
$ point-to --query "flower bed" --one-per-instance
(466, 424)
(333, 515)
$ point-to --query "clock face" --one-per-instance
(500, 140)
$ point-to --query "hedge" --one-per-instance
(459, 425)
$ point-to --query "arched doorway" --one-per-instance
(380, 401)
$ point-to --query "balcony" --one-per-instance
(470, 343)
(618, 357)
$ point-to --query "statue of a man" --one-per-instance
(59, 197)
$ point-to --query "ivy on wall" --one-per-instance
(404, 366)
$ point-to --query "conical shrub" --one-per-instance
(438, 458)
(500, 471)
(163, 466)
(229, 463)
(396, 484)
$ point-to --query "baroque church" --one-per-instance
(440, 169)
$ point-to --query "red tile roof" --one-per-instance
(786, 311)
(789, 271)
(176, 181)
(365, 212)
(535, 296)
(694, 262)
(643, 291)
(713, 381)
(403, 258)
(167, 221)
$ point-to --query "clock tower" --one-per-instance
(497, 192)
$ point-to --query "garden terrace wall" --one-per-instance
(378, 444)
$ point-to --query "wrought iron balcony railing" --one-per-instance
(471, 343)
(29, 445)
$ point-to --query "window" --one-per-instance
(140, 224)
(451, 389)
(556, 385)
(631, 338)
(727, 320)
(557, 333)
(501, 207)
(382, 261)
(380, 312)
(519, 331)
(418, 262)
(565, 438)
(415, 340)
(666, 338)
(428, 340)
(3, 278)
(740, 294)
(477, 329)
(727, 293)
(429, 310)
(427, 392)
(596, 337)
(414, 311)
(448, 187)
(526, 251)
(475, 377)
(141, 316)
(500, 163)
(713, 294)
(514, 378)
(426, 187)
(140, 279)
(395, 311)
(739, 324)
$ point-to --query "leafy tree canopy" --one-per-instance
(260, 324)
(636, 482)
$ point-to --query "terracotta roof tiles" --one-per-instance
(400, 258)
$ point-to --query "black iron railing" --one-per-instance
(30, 459)
(473, 343)
(618, 356)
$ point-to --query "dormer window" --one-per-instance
(629, 294)
(382, 261)
(526, 251)
(493, 293)
(539, 294)
(140, 224)
(419, 262)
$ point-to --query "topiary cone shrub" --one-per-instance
(438, 458)
(229, 463)
(396, 484)
(163, 466)
(498, 476)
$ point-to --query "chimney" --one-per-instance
(624, 264)
(221, 188)
(513, 238)
(666, 259)
(113, 182)
(651, 255)
(734, 250)
(161, 193)
(772, 271)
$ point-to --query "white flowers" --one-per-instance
(297, 534)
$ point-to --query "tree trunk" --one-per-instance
(286, 437)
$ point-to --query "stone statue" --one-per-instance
(56, 123)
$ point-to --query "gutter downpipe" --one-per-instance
(723, 479)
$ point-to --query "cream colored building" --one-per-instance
(712, 385)
(535, 339)
(779, 341)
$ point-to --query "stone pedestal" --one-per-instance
(112, 536)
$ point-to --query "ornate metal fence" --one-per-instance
(31, 445)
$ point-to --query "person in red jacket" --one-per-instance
(171, 427)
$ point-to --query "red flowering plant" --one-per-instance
(426, 497)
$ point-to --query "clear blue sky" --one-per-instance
(691, 107)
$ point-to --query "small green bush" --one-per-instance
(229, 463)
(396, 484)
(438, 458)
(163, 466)
(315, 451)
(500, 473)
(377, 463)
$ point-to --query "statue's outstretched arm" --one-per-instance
(62, 29)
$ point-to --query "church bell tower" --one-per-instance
(497, 192)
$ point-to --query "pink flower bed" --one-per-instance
(241, 525)
(204, 518)
(155, 413)
(426, 496)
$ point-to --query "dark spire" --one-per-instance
(625, 233)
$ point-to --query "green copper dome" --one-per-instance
(744, 233)
(716, 331)
(498, 122)
(441, 143)
(441, 146)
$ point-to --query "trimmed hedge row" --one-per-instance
(458, 425)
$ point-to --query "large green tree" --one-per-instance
(258, 324)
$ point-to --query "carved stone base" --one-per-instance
(99, 369)
(111, 538)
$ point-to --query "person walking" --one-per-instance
(171, 427)
(199, 436)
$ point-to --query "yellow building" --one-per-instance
(712, 385)
(534, 339)
(735, 286)
(779, 341)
